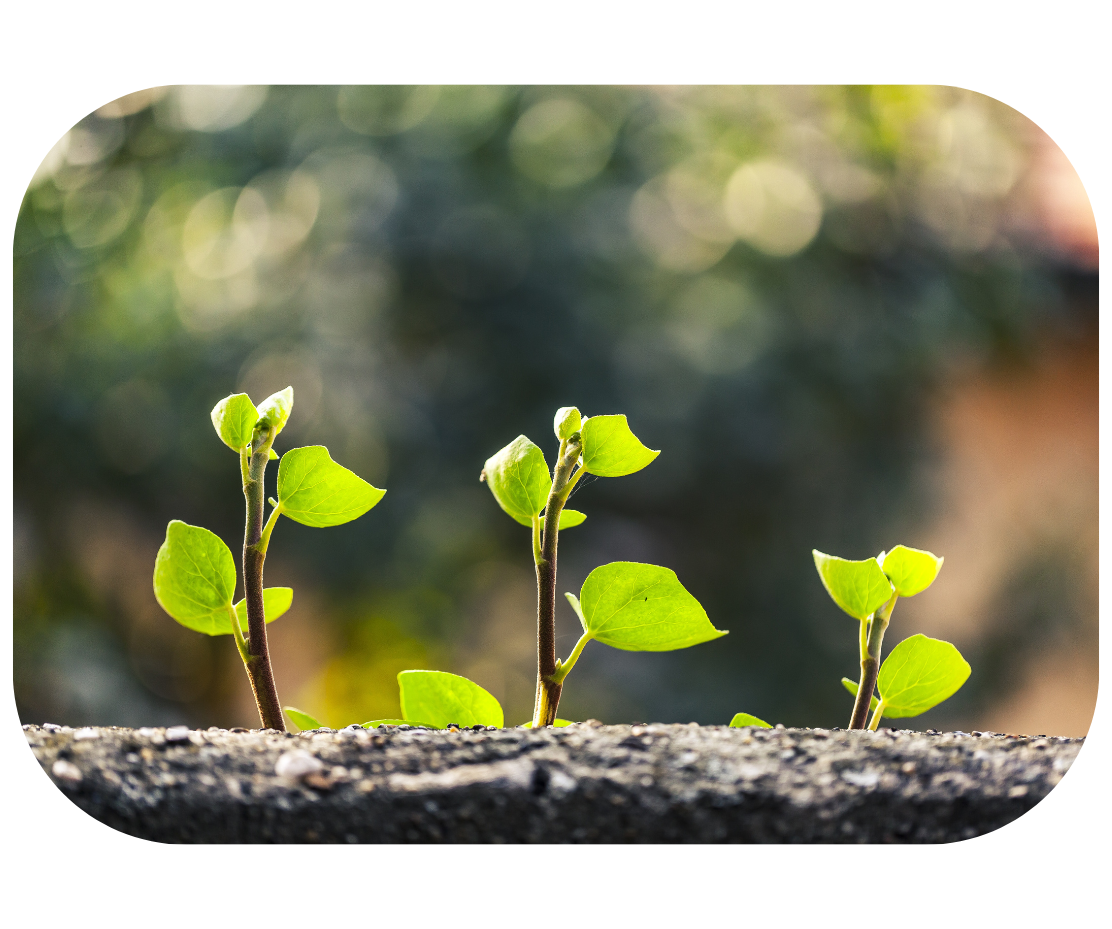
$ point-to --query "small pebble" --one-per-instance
(66, 771)
(51, 727)
(177, 734)
(88, 732)
(297, 764)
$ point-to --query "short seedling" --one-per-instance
(195, 573)
(631, 606)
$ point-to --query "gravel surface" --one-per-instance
(583, 783)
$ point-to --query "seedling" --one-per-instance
(631, 606)
(195, 573)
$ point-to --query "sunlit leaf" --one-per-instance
(569, 518)
(911, 570)
(746, 719)
(518, 477)
(918, 674)
(444, 698)
(315, 491)
(557, 723)
(273, 456)
(858, 587)
(302, 720)
(195, 577)
(610, 449)
(566, 422)
(852, 687)
(276, 600)
(275, 409)
(234, 419)
(642, 607)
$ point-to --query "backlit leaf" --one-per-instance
(569, 518)
(195, 577)
(918, 674)
(519, 478)
(315, 491)
(302, 720)
(852, 687)
(642, 607)
(911, 570)
(234, 419)
(746, 719)
(443, 698)
(610, 449)
(275, 409)
(276, 600)
(858, 587)
(566, 422)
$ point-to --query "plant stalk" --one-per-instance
(257, 661)
(548, 687)
(870, 664)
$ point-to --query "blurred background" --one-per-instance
(849, 317)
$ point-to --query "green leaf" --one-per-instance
(642, 607)
(746, 719)
(569, 518)
(557, 723)
(852, 686)
(375, 723)
(518, 477)
(302, 720)
(911, 570)
(315, 491)
(858, 587)
(234, 418)
(566, 422)
(445, 698)
(195, 577)
(610, 449)
(918, 674)
(273, 456)
(276, 600)
(275, 409)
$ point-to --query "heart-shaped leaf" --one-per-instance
(195, 577)
(852, 687)
(610, 449)
(302, 720)
(276, 601)
(234, 418)
(518, 477)
(642, 607)
(315, 491)
(569, 518)
(858, 587)
(443, 698)
(911, 570)
(746, 719)
(918, 674)
(275, 409)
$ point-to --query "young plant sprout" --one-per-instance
(195, 573)
(627, 605)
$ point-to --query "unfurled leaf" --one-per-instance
(918, 674)
(569, 518)
(557, 723)
(195, 577)
(858, 587)
(518, 477)
(746, 719)
(443, 698)
(276, 600)
(275, 409)
(610, 449)
(911, 570)
(852, 687)
(375, 723)
(234, 418)
(566, 423)
(302, 720)
(315, 491)
(642, 607)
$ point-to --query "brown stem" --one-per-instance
(254, 554)
(870, 665)
(548, 690)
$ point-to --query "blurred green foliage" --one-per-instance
(769, 281)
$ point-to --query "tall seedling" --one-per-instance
(631, 606)
(195, 573)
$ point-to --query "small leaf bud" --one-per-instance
(567, 422)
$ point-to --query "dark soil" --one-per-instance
(583, 783)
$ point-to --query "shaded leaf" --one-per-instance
(858, 587)
(642, 607)
(918, 674)
(302, 720)
(519, 478)
(444, 698)
(195, 577)
(852, 687)
(610, 449)
(746, 719)
(911, 570)
(315, 491)
(234, 419)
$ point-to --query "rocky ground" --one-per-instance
(583, 783)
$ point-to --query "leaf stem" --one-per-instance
(877, 713)
(537, 557)
(870, 663)
(254, 554)
(564, 667)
